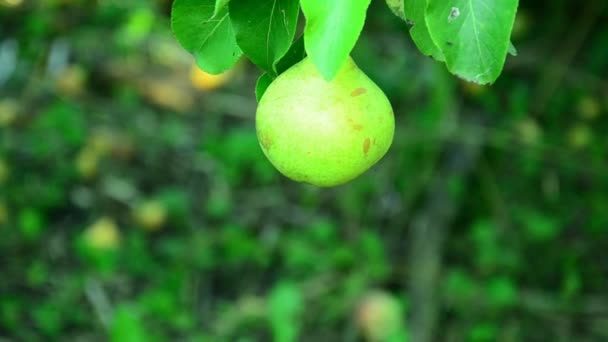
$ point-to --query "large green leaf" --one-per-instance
(264, 29)
(219, 6)
(415, 12)
(209, 38)
(332, 29)
(473, 35)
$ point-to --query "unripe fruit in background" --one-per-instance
(150, 215)
(324, 132)
(380, 317)
(103, 234)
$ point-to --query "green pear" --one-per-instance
(322, 132)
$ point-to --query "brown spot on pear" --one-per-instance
(358, 91)
(354, 125)
(266, 141)
(366, 146)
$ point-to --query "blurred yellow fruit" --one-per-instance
(87, 162)
(8, 111)
(168, 93)
(588, 108)
(103, 234)
(150, 215)
(379, 316)
(3, 213)
(71, 80)
(528, 131)
(579, 136)
(4, 171)
(207, 82)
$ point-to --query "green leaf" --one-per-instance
(264, 29)
(397, 7)
(294, 55)
(474, 35)
(415, 11)
(261, 85)
(219, 6)
(332, 29)
(208, 37)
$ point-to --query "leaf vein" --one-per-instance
(268, 59)
(213, 30)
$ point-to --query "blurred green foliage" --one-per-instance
(136, 206)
